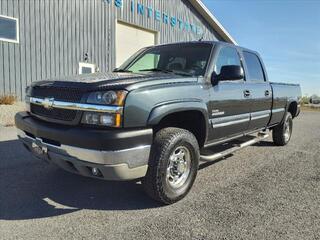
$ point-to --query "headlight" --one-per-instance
(115, 98)
(102, 119)
(107, 98)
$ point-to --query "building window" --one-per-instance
(9, 29)
(86, 68)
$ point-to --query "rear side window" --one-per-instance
(255, 72)
(227, 56)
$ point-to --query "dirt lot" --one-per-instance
(261, 192)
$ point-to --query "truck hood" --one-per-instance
(104, 81)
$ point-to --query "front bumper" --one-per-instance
(51, 143)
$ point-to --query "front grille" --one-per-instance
(54, 113)
(61, 94)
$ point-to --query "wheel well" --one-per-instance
(193, 121)
(293, 108)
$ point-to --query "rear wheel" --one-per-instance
(173, 165)
(281, 134)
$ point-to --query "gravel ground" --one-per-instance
(261, 192)
(7, 113)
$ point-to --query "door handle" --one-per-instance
(246, 93)
(267, 93)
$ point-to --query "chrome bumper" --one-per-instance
(124, 164)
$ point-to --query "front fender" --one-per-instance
(165, 109)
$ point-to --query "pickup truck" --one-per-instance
(155, 117)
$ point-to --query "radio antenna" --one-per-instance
(200, 40)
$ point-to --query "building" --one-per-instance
(40, 39)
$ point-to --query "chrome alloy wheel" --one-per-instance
(287, 130)
(179, 167)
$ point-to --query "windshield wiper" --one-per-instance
(166, 71)
(122, 70)
(156, 70)
(183, 73)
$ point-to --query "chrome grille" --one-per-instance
(63, 105)
(60, 94)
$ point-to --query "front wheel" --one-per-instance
(281, 134)
(173, 165)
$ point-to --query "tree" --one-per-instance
(305, 100)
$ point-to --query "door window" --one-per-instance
(255, 72)
(227, 56)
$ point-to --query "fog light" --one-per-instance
(95, 172)
(103, 119)
(107, 120)
(92, 118)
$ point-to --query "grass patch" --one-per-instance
(8, 99)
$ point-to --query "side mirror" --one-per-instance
(228, 73)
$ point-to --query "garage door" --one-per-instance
(129, 39)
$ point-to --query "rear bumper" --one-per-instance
(127, 163)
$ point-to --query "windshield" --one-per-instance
(185, 59)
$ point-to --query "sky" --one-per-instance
(286, 33)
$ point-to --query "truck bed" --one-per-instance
(283, 94)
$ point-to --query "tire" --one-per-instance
(162, 181)
(281, 134)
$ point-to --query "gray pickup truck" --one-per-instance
(155, 117)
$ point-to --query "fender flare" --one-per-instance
(162, 110)
(290, 101)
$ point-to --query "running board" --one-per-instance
(216, 156)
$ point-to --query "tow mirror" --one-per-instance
(228, 73)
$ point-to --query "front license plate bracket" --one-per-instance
(39, 151)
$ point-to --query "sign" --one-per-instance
(159, 16)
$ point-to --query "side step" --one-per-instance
(213, 157)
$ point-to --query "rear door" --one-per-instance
(229, 110)
(259, 89)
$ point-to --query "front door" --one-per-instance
(229, 112)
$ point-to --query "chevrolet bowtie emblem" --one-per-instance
(48, 103)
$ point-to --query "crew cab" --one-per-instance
(155, 117)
